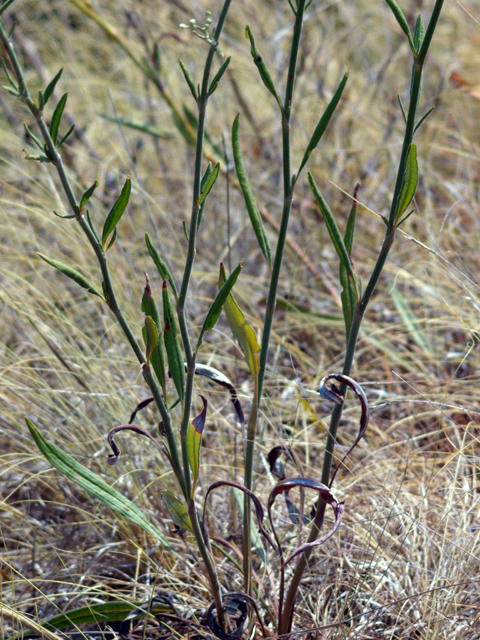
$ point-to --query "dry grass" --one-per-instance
(406, 561)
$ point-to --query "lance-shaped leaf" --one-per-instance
(402, 21)
(410, 182)
(256, 503)
(218, 76)
(332, 227)
(73, 274)
(48, 93)
(151, 337)
(189, 81)
(105, 612)
(217, 305)
(116, 212)
(333, 394)
(419, 33)
(162, 268)
(87, 195)
(93, 484)
(262, 67)
(242, 331)
(253, 212)
(348, 295)
(327, 496)
(57, 118)
(149, 308)
(177, 511)
(323, 122)
(205, 177)
(172, 346)
(208, 184)
(194, 441)
(217, 376)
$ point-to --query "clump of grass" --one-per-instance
(385, 349)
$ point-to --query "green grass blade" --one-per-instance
(93, 484)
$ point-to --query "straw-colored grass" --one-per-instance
(405, 563)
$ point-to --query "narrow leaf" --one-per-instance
(96, 613)
(48, 93)
(242, 331)
(13, 91)
(93, 484)
(113, 457)
(6, 4)
(219, 76)
(323, 122)
(189, 81)
(152, 337)
(348, 295)
(217, 305)
(410, 182)
(332, 227)
(209, 184)
(177, 511)
(252, 208)
(57, 118)
(144, 128)
(66, 136)
(262, 67)
(90, 224)
(87, 195)
(149, 308)
(172, 346)
(159, 263)
(205, 177)
(116, 211)
(73, 274)
(423, 118)
(402, 21)
(402, 108)
(39, 144)
(194, 441)
(419, 33)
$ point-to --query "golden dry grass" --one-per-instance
(405, 564)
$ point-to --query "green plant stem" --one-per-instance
(286, 616)
(190, 355)
(288, 189)
(101, 257)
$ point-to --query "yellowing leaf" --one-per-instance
(177, 510)
(194, 440)
(242, 331)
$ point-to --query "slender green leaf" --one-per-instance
(177, 511)
(87, 195)
(159, 263)
(350, 229)
(217, 305)
(409, 183)
(332, 227)
(4, 6)
(194, 441)
(252, 208)
(66, 216)
(262, 67)
(241, 329)
(323, 122)
(66, 136)
(349, 293)
(423, 118)
(116, 211)
(73, 274)
(57, 118)
(90, 224)
(189, 81)
(406, 217)
(172, 346)
(419, 33)
(205, 177)
(209, 184)
(219, 76)
(93, 484)
(48, 93)
(402, 108)
(115, 611)
(13, 91)
(9, 76)
(39, 144)
(151, 337)
(402, 21)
